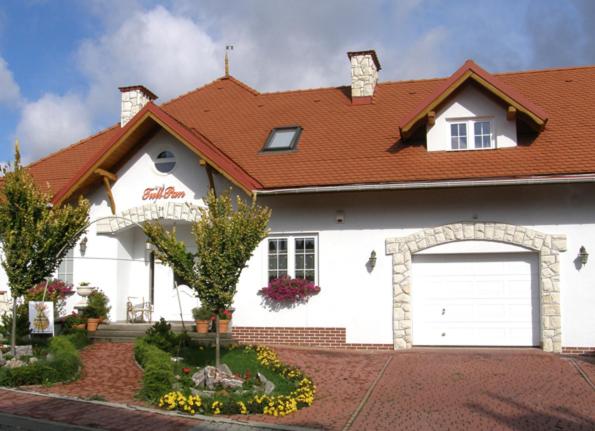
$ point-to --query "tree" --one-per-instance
(225, 239)
(35, 236)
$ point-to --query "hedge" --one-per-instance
(63, 364)
(158, 375)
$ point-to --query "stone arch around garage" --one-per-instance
(176, 211)
(547, 246)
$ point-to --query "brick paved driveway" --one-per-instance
(431, 389)
(480, 390)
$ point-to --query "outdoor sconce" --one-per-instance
(83, 246)
(583, 256)
(149, 246)
(372, 260)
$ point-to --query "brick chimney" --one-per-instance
(133, 100)
(364, 76)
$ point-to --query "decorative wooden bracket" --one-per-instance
(209, 170)
(431, 118)
(107, 177)
(511, 113)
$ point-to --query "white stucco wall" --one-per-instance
(470, 102)
(352, 297)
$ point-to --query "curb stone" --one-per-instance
(24, 422)
(198, 418)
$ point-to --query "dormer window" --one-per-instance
(482, 134)
(282, 139)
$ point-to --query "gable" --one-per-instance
(467, 105)
(146, 123)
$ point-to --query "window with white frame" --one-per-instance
(66, 267)
(293, 255)
(482, 137)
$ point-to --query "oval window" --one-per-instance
(166, 161)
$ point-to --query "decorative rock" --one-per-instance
(33, 360)
(212, 378)
(199, 378)
(224, 368)
(14, 363)
(24, 351)
(269, 386)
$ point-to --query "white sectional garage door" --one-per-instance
(475, 300)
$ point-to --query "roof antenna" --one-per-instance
(227, 49)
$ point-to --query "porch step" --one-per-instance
(126, 332)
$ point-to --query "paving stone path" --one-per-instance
(342, 380)
(109, 373)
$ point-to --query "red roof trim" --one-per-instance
(213, 155)
(471, 67)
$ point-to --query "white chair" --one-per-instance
(138, 310)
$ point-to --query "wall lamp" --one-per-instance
(83, 246)
(583, 256)
(372, 260)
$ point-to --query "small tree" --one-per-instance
(225, 239)
(35, 236)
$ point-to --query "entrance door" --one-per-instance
(475, 300)
(165, 297)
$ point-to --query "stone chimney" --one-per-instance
(364, 76)
(134, 98)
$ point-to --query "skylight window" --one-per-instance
(282, 139)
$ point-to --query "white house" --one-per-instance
(474, 192)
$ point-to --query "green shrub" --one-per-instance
(63, 364)
(161, 336)
(158, 375)
(22, 323)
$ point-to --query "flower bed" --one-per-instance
(293, 390)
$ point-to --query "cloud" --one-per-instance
(169, 54)
(10, 93)
(175, 48)
(50, 123)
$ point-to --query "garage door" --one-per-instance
(475, 300)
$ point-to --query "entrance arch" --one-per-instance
(547, 246)
(175, 211)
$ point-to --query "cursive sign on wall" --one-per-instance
(162, 192)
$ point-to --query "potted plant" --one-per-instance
(96, 310)
(75, 321)
(224, 318)
(202, 318)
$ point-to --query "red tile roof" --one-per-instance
(343, 143)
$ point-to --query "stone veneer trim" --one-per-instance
(547, 246)
(178, 211)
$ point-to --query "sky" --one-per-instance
(62, 61)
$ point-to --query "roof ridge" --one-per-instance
(547, 69)
(241, 84)
(194, 90)
(69, 147)
(197, 89)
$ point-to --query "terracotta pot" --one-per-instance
(223, 325)
(92, 324)
(80, 326)
(202, 326)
